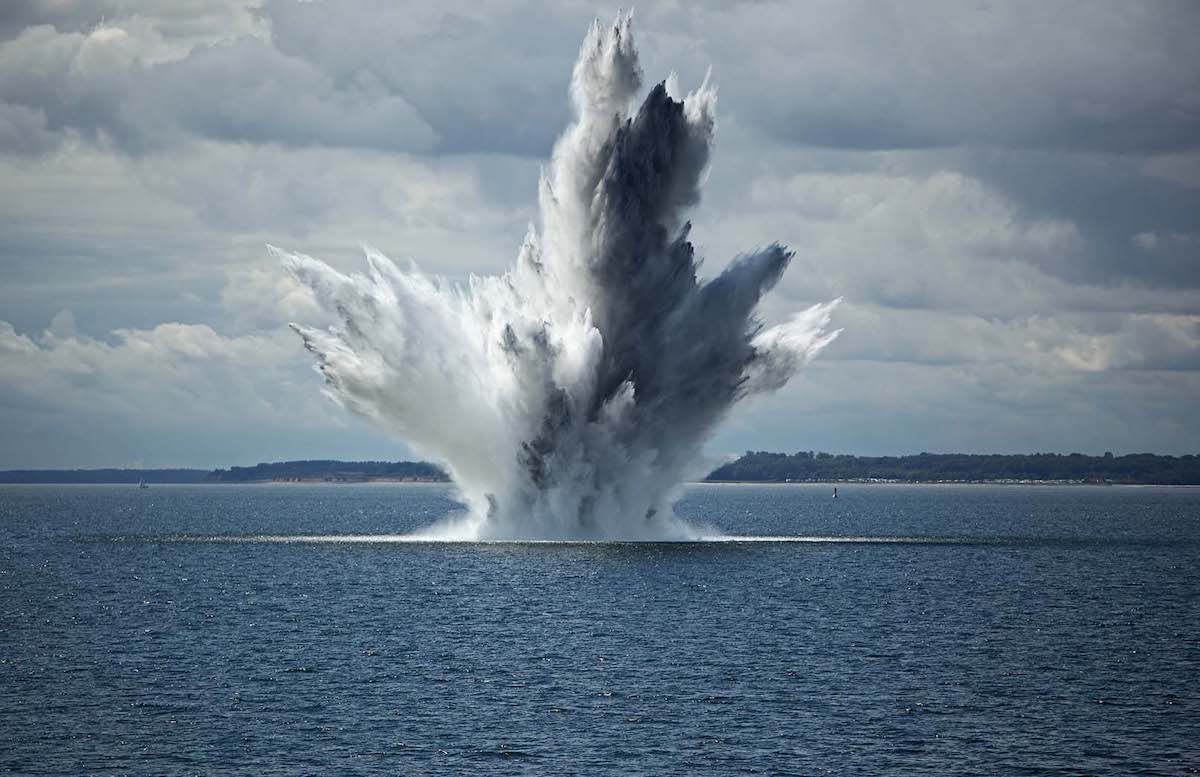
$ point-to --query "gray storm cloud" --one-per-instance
(571, 396)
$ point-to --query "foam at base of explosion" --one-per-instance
(570, 397)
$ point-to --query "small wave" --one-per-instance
(850, 539)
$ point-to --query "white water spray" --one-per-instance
(570, 397)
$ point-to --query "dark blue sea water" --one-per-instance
(1025, 630)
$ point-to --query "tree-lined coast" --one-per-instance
(753, 467)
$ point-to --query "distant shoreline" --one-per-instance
(832, 483)
(755, 467)
(718, 483)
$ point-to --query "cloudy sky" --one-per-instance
(1007, 194)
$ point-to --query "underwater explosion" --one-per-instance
(571, 397)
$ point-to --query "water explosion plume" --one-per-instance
(570, 397)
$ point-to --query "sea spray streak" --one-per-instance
(570, 397)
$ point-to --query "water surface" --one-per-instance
(1032, 630)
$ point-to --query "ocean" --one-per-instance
(894, 630)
